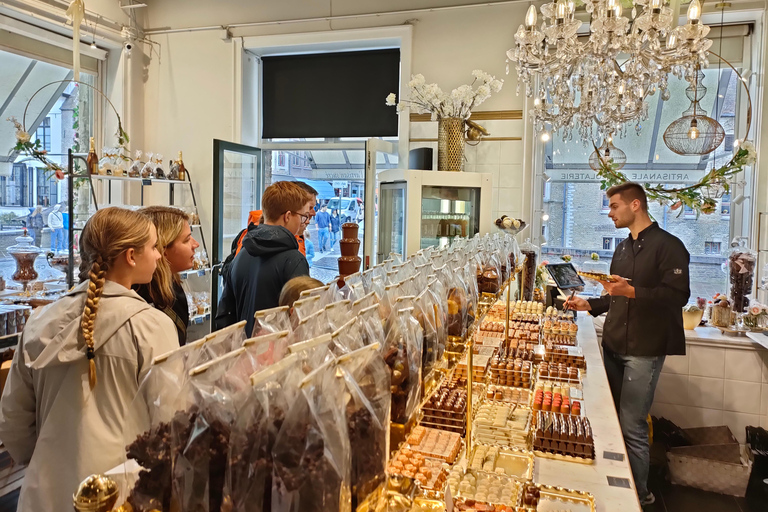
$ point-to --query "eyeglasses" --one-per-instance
(304, 217)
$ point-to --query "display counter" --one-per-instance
(596, 478)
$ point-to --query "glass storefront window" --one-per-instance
(578, 223)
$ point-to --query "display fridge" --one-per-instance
(418, 209)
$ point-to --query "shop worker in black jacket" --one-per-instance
(645, 320)
(270, 256)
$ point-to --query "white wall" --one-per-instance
(190, 89)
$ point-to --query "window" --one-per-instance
(43, 134)
(606, 202)
(712, 248)
(688, 212)
(607, 243)
(618, 240)
(725, 205)
(281, 159)
(547, 191)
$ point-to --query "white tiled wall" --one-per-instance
(502, 159)
(712, 386)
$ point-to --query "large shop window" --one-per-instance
(60, 116)
(578, 224)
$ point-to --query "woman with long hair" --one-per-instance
(177, 245)
(79, 362)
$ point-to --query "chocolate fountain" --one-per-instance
(349, 262)
(25, 253)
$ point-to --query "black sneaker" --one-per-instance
(649, 499)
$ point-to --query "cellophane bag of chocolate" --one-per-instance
(272, 320)
(440, 305)
(225, 340)
(313, 352)
(365, 302)
(458, 304)
(366, 378)
(402, 353)
(371, 325)
(302, 308)
(338, 313)
(467, 274)
(268, 349)
(424, 312)
(366, 278)
(248, 477)
(200, 435)
(491, 274)
(147, 427)
(354, 287)
(321, 292)
(311, 456)
(348, 337)
(387, 300)
(312, 326)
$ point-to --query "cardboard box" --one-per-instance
(714, 462)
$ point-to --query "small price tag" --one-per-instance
(615, 481)
(576, 394)
(146, 181)
(613, 456)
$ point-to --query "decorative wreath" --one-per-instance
(698, 196)
(34, 149)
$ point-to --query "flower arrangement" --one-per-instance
(34, 149)
(430, 99)
(696, 196)
(755, 313)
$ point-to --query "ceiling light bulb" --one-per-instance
(655, 4)
(93, 44)
(562, 9)
(536, 102)
(545, 136)
(571, 7)
(621, 88)
(671, 40)
(694, 11)
(693, 132)
(530, 17)
(545, 217)
(617, 11)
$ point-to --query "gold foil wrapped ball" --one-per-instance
(97, 493)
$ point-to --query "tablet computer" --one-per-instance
(565, 275)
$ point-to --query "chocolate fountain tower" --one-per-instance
(349, 262)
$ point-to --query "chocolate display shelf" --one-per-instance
(436, 444)
(565, 436)
(558, 339)
(508, 395)
(538, 497)
(512, 462)
(503, 425)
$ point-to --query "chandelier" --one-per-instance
(598, 85)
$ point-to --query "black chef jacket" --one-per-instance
(651, 324)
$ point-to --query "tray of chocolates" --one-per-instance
(559, 325)
(480, 366)
(501, 424)
(481, 340)
(508, 371)
(547, 498)
(523, 349)
(564, 437)
(558, 372)
(491, 326)
(511, 462)
(429, 473)
(551, 340)
(463, 505)
(489, 488)
(446, 409)
(520, 396)
(572, 356)
(528, 307)
(436, 444)
(481, 350)
(555, 401)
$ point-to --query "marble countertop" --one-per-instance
(599, 408)
(708, 336)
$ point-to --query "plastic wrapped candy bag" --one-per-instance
(302, 308)
(424, 312)
(268, 349)
(311, 456)
(363, 303)
(272, 320)
(148, 170)
(225, 340)
(313, 352)
(366, 379)
(134, 171)
(314, 325)
(338, 313)
(323, 292)
(402, 353)
(371, 325)
(348, 337)
(248, 479)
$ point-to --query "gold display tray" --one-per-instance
(520, 453)
(563, 458)
(735, 332)
(558, 494)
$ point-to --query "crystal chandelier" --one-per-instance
(598, 85)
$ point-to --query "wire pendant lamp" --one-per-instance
(607, 152)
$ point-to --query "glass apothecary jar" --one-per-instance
(741, 274)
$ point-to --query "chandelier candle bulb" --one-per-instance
(694, 12)
(530, 17)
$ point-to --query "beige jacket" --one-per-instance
(49, 417)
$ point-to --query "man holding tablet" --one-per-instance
(645, 319)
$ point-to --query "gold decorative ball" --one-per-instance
(97, 493)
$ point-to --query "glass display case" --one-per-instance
(419, 209)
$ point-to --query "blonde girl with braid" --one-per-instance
(79, 362)
(177, 245)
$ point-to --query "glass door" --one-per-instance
(392, 220)
(238, 183)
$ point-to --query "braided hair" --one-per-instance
(106, 235)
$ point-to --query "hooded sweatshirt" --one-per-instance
(270, 259)
(49, 416)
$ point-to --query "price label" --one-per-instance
(615, 481)
(146, 181)
(613, 456)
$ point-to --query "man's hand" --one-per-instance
(577, 304)
(620, 288)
